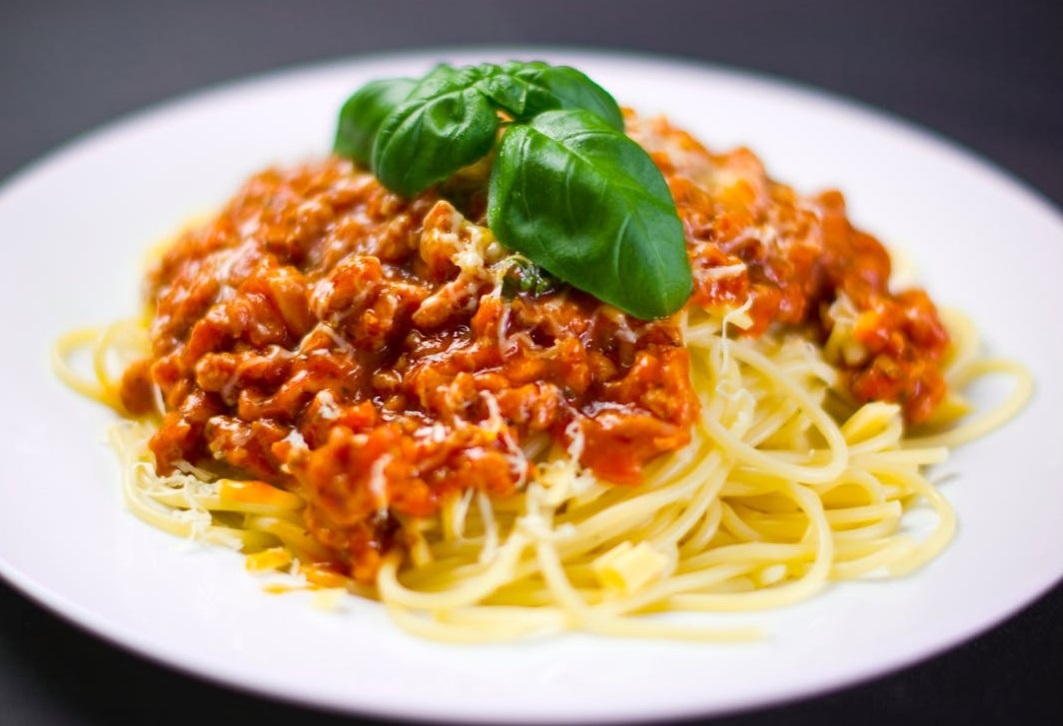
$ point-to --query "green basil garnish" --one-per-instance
(444, 124)
(524, 90)
(568, 189)
(588, 204)
(362, 114)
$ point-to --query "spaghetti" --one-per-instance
(332, 380)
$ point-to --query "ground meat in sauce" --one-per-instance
(328, 336)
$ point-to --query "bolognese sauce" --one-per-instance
(325, 335)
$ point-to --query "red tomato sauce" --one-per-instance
(328, 336)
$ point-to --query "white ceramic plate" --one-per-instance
(74, 228)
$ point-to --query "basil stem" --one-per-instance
(587, 203)
(362, 114)
(443, 125)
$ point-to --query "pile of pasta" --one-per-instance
(786, 487)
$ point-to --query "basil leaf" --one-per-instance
(363, 113)
(587, 203)
(526, 89)
(443, 125)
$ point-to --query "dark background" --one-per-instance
(987, 74)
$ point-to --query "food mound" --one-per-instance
(376, 354)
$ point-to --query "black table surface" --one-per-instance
(987, 74)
